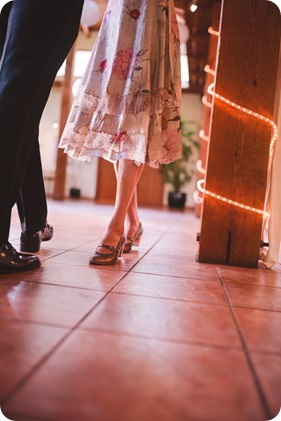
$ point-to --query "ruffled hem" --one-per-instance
(103, 145)
(115, 157)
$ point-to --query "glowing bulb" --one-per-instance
(193, 6)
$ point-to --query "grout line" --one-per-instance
(257, 382)
(171, 341)
(271, 310)
(37, 366)
(177, 300)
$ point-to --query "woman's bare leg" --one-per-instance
(132, 217)
(128, 175)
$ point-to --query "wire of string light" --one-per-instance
(211, 91)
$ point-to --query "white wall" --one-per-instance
(191, 111)
(78, 174)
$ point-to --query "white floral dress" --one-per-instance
(128, 103)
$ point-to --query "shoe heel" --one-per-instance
(121, 248)
(29, 248)
(138, 236)
(137, 240)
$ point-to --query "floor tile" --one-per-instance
(164, 319)
(55, 305)
(258, 276)
(176, 266)
(90, 277)
(106, 377)
(268, 368)
(261, 329)
(82, 259)
(184, 289)
(22, 346)
(149, 339)
(253, 296)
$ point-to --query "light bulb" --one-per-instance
(193, 6)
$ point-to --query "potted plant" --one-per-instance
(177, 174)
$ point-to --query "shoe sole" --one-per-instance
(22, 269)
(103, 264)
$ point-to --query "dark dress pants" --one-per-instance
(31, 216)
(39, 37)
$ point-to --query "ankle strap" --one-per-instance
(105, 246)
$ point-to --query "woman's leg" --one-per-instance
(128, 175)
(132, 217)
(132, 220)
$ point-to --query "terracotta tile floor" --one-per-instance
(157, 337)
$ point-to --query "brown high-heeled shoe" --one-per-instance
(108, 258)
(133, 241)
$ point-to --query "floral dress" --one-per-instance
(128, 103)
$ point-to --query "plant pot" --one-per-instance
(176, 200)
(74, 193)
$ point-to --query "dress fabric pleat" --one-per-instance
(128, 102)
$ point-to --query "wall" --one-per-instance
(191, 111)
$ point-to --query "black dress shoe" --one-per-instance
(12, 262)
(32, 242)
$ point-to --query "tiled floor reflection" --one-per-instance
(157, 337)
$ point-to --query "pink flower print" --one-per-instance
(103, 65)
(175, 26)
(119, 136)
(135, 14)
(123, 63)
(84, 130)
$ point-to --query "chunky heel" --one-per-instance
(135, 241)
(121, 250)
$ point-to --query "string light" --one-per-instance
(197, 199)
(229, 201)
(249, 112)
(206, 102)
(208, 69)
(213, 32)
(202, 135)
(199, 167)
(193, 6)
